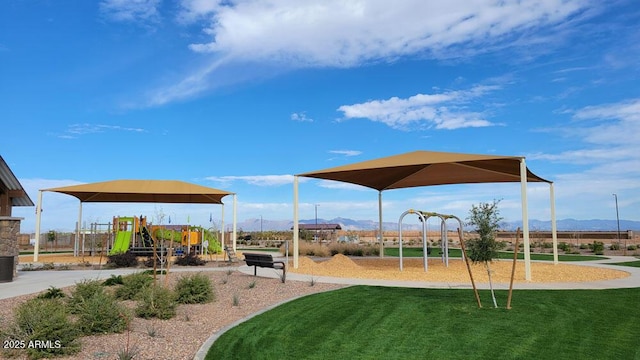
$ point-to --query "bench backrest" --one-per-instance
(261, 258)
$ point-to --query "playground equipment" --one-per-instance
(125, 230)
(444, 243)
(135, 235)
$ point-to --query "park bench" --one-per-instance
(265, 261)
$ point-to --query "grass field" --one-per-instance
(364, 322)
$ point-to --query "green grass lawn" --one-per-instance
(365, 322)
(634, 263)
(456, 253)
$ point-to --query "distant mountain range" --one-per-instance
(534, 225)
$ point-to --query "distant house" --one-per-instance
(321, 232)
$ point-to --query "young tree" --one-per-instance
(485, 217)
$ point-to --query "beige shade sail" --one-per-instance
(144, 191)
(425, 168)
(138, 191)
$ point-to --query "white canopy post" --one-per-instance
(75, 249)
(222, 226)
(380, 223)
(235, 221)
(554, 230)
(525, 219)
(36, 247)
(295, 222)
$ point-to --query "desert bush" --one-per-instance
(598, 247)
(614, 246)
(52, 293)
(45, 320)
(102, 314)
(113, 280)
(584, 246)
(564, 246)
(632, 247)
(132, 285)
(122, 260)
(156, 301)
(191, 259)
(194, 289)
(313, 249)
(82, 292)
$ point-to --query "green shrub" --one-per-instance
(123, 260)
(156, 301)
(45, 320)
(83, 292)
(191, 259)
(194, 289)
(598, 247)
(102, 314)
(584, 246)
(564, 246)
(132, 285)
(52, 293)
(614, 246)
(632, 247)
(113, 280)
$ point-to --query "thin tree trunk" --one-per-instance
(493, 295)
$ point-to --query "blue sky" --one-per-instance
(242, 94)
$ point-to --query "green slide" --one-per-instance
(121, 245)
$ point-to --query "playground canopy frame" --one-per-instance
(425, 168)
(139, 191)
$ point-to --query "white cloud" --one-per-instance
(289, 34)
(442, 111)
(76, 130)
(610, 157)
(143, 11)
(347, 33)
(329, 184)
(610, 130)
(259, 180)
(300, 116)
(346, 152)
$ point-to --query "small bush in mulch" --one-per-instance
(83, 291)
(132, 285)
(191, 259)
(194, 289)
(156, 301)
(52, 293)
(102, 314)
(113, 280)
(123, 260)
(43, 322)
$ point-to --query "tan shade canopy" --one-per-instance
(424, 168)
(144, 191)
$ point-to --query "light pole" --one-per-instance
(260, 227)
(316, 237)
(618, 221)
